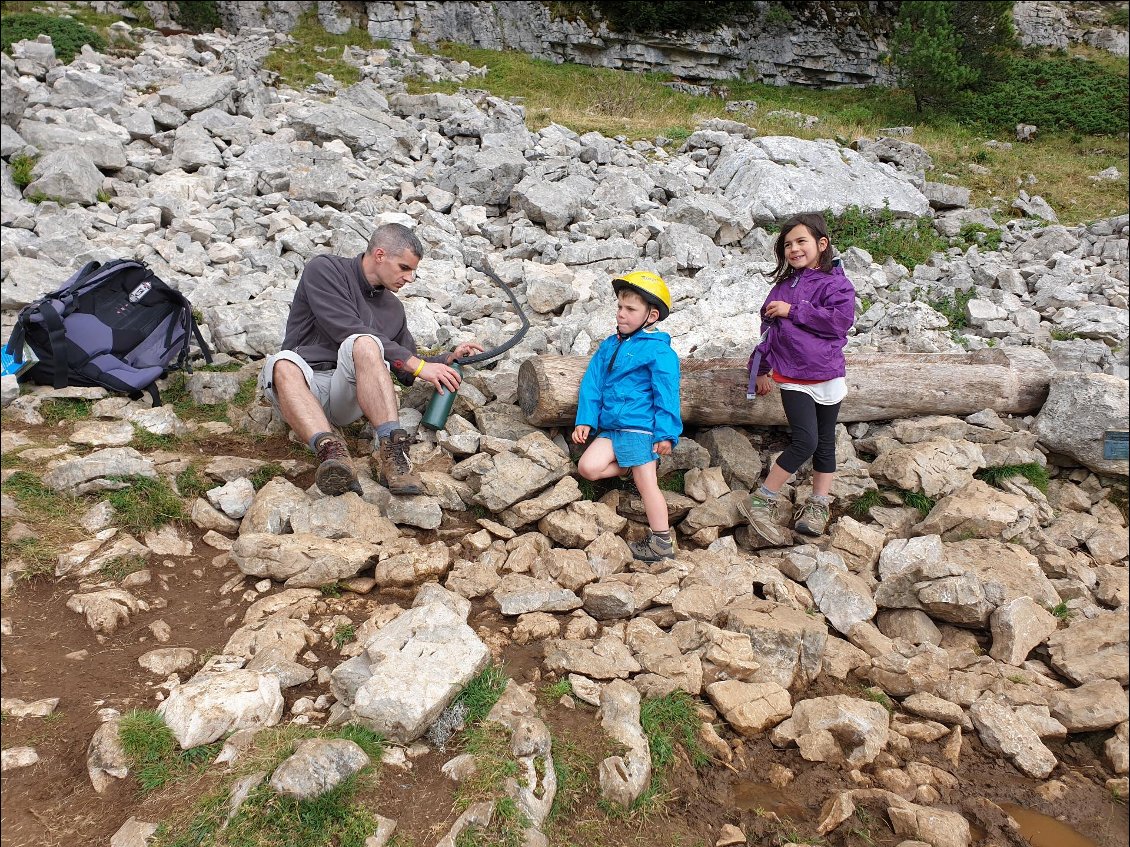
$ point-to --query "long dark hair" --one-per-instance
(817, 228)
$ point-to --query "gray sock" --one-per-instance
(824, 500)
(315, 438)
(766, 494)
(385, 430)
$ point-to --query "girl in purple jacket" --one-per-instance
(805, 322)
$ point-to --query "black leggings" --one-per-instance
(813, 432)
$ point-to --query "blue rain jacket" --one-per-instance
(639, 391)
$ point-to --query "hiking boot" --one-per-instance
(391, 465)
(813, 518)
(652, 549)
(335, 469)
(763, 517)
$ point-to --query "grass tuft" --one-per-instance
(120, 567)
(65, 409)
(878, 695)
(152, 751)
(314, 50)
(918, 500)
(191, 484)
(554, 691)
(36, 500)
(866, 501)
(1034, 472)
(669, 722)
(22, 166)
(145, 504)
(481, 693)
(345, 633)
(265, 473)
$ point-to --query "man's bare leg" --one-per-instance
(375, 393)
(303, 413)
(297, 403)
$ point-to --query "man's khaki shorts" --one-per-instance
(336, 390)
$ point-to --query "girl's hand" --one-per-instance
(663, 448)
(581, 434)
(777, 309)
(764, 385)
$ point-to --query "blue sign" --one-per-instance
(1116, 445)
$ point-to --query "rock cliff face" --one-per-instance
(819, 44)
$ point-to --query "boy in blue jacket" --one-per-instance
(629, 397)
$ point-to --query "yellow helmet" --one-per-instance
(648, 285)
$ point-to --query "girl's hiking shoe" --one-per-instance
(813, 518)
(334, 475)
(763, 517)
(652, 549)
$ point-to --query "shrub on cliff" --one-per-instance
(668, 15)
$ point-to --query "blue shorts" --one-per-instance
(631, 448)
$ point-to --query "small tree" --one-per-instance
(985, 32)
(926, 53)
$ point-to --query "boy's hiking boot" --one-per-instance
(652, 549)
(391, 465)
(763, 517)
(335, 469)
(813, 518)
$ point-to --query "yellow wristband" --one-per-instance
(419, 368)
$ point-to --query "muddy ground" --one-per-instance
(52, 803)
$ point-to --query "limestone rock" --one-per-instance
(214, 703)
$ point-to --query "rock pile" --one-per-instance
(997, 609)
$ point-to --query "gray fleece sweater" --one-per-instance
(333, 301)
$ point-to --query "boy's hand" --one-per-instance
(764, 385)
(442, 377)
(663, 448)
(581, 434)
(777, 309)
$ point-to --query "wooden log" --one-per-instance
(881, 386)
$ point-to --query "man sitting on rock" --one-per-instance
(346, 333)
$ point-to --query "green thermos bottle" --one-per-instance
(439, 407)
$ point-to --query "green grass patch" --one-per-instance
(865, 502)
(554, 691)
(674, 482)
(1061, 611)
(265, 473)
(576, 779)
(952, 306)
(908, 242)
(344, 633)
(143, 439)
(878, 695)
(36, 500)
(191, 484)
(1034, 472)
(976, 234)
(316, 51)
(248, 391)
(120, 567)
(67, 35)
(918, 500)
(489, 743)
(266, 819)
(22, 166)
(176, 394)
(482, 692)
(39, 558)
(1058, 334)
(669, 722)
(152, 751)
(145, 504)
(65, 409)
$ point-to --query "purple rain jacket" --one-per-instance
(809, 343)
